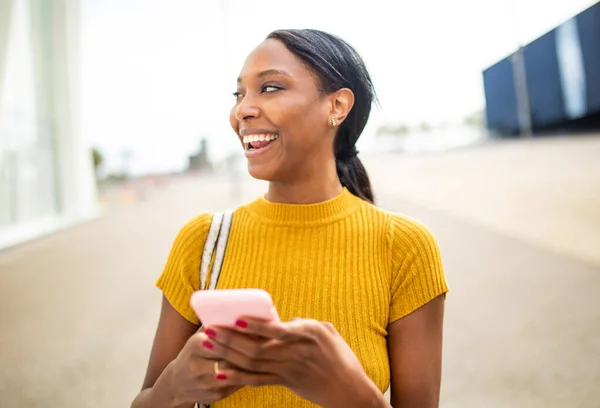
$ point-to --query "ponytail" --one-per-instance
(350, 170)
(354, 177)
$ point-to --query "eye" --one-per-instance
(271, 88)
(237, 95)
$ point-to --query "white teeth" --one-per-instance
(259, 138)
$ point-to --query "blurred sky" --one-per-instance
(158, 74)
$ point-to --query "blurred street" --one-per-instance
(518, 224)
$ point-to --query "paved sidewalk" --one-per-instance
(78, 309)
(543, 191)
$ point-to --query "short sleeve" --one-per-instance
(181, 274)
(417, 270)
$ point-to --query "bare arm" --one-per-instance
(415, 349)
(171, 335)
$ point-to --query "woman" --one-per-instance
(368, 284)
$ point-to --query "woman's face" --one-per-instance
(280, 116)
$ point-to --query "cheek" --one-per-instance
(309, 132)
(299, 119)
(233, 120)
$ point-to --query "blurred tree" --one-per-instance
(98, 160)
(425, 127)
(117, 177)
(476, 119)
(398, 130)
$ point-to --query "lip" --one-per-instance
(251, 154)
(254, 131)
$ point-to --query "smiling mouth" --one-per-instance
(259, 141)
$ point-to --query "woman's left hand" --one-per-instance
(307, 356)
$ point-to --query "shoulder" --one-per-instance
(410, 235)
(407, 238)
(191, 236)
(195, 228)
(193, 233)
(403, 232)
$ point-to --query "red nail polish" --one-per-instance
(241, 324)
(221, 377)
(211, 333)
(208, 345)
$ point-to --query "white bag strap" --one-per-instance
(221, 246)
(217, 237)
(209, 247)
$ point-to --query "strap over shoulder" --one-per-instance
(217, 237)
(220, 250)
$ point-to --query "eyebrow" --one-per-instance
(268, 72)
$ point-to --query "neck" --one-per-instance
(306, 191)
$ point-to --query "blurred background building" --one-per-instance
(46, 173)
(552, 82)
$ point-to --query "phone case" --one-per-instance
(223, 307)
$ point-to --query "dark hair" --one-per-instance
(338, 65)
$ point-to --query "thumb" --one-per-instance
(330, 327)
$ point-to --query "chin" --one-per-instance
(261, 172)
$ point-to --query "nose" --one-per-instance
(246, 109)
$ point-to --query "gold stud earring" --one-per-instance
(333, 122)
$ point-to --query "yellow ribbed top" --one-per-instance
(344, 261)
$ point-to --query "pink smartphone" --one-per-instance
(222, 307)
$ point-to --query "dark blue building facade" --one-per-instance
(561, 74)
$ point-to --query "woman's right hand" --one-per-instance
(191, 377)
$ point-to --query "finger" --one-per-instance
(258, 327)
(304, 330)
(245, 343)
(236, 358)
(225, 365)
(295, 330)
(329, 326)
(213, 389)
(197, 345)
(203, 352)
(238, 378)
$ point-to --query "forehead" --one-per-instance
(272, 54)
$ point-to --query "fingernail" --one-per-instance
(208, 345)
(221, 377)
(241, 324)
(211, 333)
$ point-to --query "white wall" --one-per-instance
(46, 174)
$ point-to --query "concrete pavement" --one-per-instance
(543, 191)
(78, 309)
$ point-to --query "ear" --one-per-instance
(342, 102)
